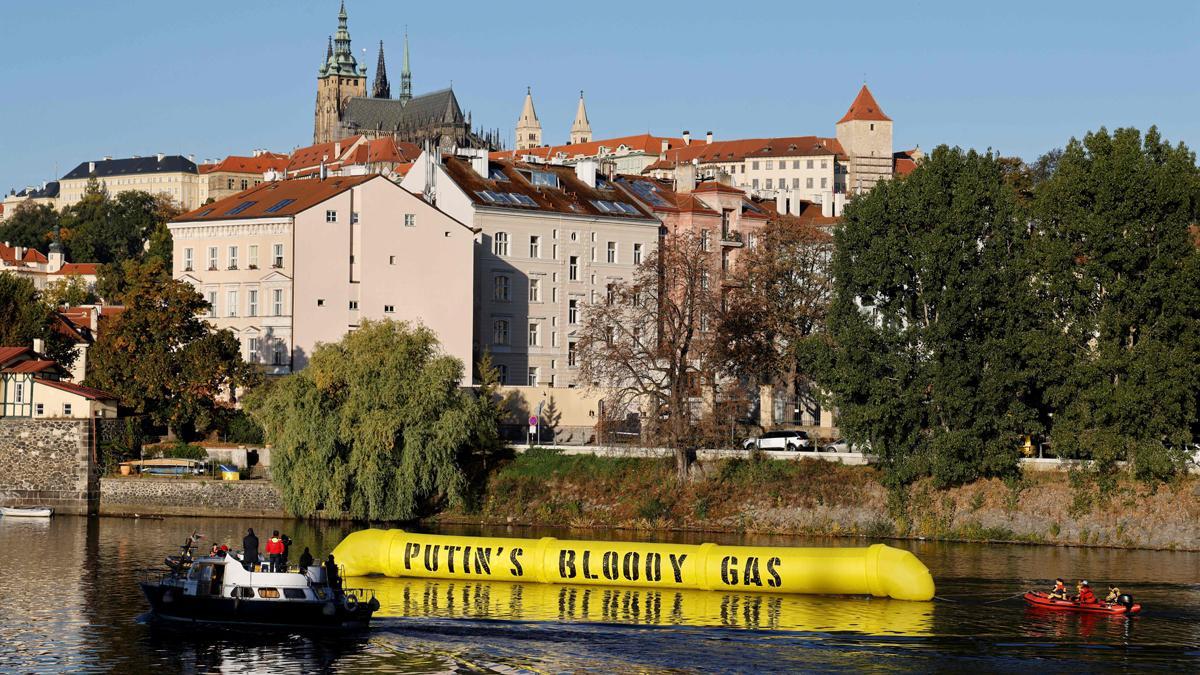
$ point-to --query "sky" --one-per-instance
(81, 80)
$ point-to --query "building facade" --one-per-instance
(294, 263)
(236, 173)
(172, 175)
(34, 387)
(47, 194)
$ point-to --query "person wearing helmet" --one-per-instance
(1085, 597)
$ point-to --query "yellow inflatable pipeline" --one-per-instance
(879, 570)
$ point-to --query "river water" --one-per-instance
(69, 602)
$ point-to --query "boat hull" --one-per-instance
(169, 605)
(9, 512)
(1043, 601)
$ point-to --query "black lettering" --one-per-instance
(653, 567)
(629, 565)
(609, 565)
(467, 559)
(515, 558)
(750, 575)
(411, 550)
(729, 575)
(774, 581)
(431, 563)
(677, 565)
(587, 572)
(566, 564)
(450, 556)
(483, 560)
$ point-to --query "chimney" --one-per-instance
(91, 167)
(159, 156)
(337, 148)
(687, 137)
(39, 345)
(108, 158)
(666, 145)
(324, 173)
(586, 171)
(685, 177)
(827, 204)
(192, 159)
(18, 253)
(708, 138)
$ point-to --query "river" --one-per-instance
(69, 602)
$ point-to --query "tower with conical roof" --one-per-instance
(581, 130)
(405, 75)
(865, 134)
(381, 89)
(529, 129)
(338, 79)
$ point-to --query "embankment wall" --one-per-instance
(185, 497)
(48, 463)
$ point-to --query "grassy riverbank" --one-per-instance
(814, 497)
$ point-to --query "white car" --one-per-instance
(793, 441)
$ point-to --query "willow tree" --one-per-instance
(376, 426)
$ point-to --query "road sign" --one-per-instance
(533, 420)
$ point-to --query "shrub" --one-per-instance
(241, 428)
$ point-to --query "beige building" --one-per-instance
(34, 387)
(290, 264)
(46, 194)
(552, 238)
(44, 270)
(171, 175)
(865, 134)
(235, 173)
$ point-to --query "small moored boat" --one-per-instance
(1125, 605)
(14, 512)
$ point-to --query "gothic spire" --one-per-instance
(329, 49)
(581, 130)
(382, 89)
(343, 58)
(405, 75)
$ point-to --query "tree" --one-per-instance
(162, 359)
(24, 317)
(930, 322)
(113, 280)
(1119, 270)
(650, 344)
(69, 291)
(30, 225)
(132, 225)
(783, 287)
(376, 426)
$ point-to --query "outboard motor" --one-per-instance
(1125, 600)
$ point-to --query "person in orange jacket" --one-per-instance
(1085, 594)
(275, 550)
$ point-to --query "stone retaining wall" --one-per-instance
(186, 497)
(48, 463)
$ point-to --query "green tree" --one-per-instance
(162, 359)
(24, 317)
(929, 322)
(375, 426)
(69, 291)
(29, 225)
(1120, 273)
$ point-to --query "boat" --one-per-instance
(219, 591)
(1124, 606)
(168, 466)
(14, 512)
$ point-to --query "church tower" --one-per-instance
(581, 130)
(405, 75)
(338, 80)
(865, 134)
(381, 89)
(529, 129)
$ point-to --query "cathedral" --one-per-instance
(344, 108)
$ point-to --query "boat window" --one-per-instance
(268, 592)
(294, 593)
(242, 592)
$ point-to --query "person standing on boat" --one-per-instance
(275, 550)
(287, 545)
(331, 575)
(250, 549)
(306, 560)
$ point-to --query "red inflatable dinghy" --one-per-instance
(1043, 601)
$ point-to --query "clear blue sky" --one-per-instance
(79, 80)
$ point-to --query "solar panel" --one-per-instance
(239, 208)
(523, 200)
(279, 205)
(647, 192)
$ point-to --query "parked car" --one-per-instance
(840, 445)
(793, 441)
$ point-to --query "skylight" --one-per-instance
(496, 173)
(203, 213)
(602, 205)
(239, 208)
(648, 192)
(279, 205)
(523, 200)
(544, 178)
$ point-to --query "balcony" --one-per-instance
(731, 238)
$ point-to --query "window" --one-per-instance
(388, 309)
(330, 216)
(231, 303)
(571, 353)
(872, 126)
(245, 183)
(501, 288)
(808, 182)
(574, 236)
(39, 409)
(770, 165)
(535, 290)
(279, 352)
(554, 251)
(19, 393)
(809, 165)
(704, 280)
(233, 257)
(253, 256)
(294, 593)
(535, 334)
(610, 293)
(754, 183)
(277, 302)
(500, 243)
(704, 239)
(754, 166)
(553, 294)
(279, 205)
(593, 254)
(612, 251)
(187, 260)
(391, 260)
(572, 311)
(768, 183)
(824, 182)
(535, 246)
(320, 302)
(229, 184)
(239, 208)
(277, 256)
(637, 254)
(573, 268)
(255, 347)
(252, 303)
(533, 376)
(795, 164)
(795, 182)
(824, 164)
(212, 258)
(66, 410)
(500, 332)
(212, 303)
(354, 305)
(502, 373)
(410, 220)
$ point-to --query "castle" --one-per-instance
(344, 109)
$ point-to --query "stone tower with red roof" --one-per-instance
(865, 134)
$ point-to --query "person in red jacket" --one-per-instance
(275, 551)
(1085, 594)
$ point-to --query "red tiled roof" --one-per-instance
(73, 327)
(255, 165)
(9, 354)
(86, 269)
(304, 158)
(205, 168)
(34, 256)
(717, 186)
(651, 145)
(382, 150)
(90, 393)
(34, 366)
(904, 161)
(304, 194)
(864, 108)
(810, 213)
(741, 149)
(403, 169)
